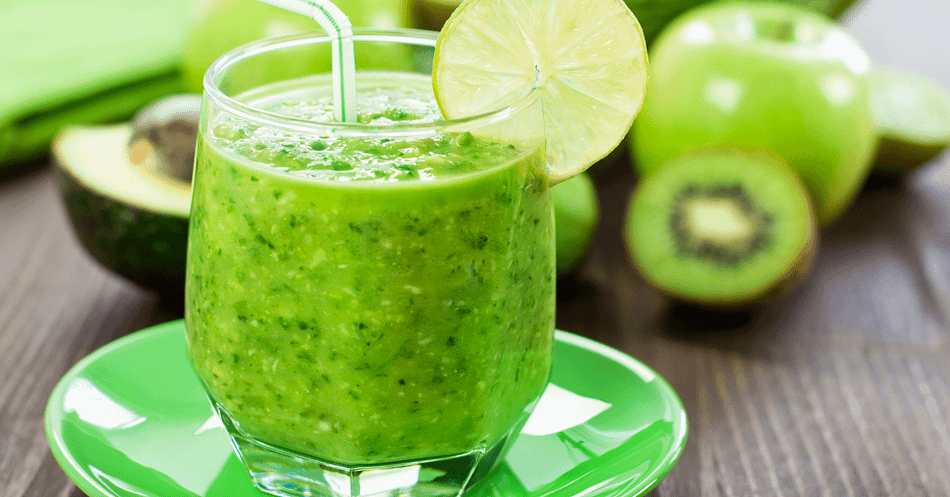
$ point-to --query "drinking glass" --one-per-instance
(362, 331)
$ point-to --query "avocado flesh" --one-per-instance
(129, 219)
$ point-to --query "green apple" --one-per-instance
(762, 76)
(654, 15)
(575, 220)
(222, 25)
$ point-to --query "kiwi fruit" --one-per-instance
(722, 228)
(912, 114)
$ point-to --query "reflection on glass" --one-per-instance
(382, 480)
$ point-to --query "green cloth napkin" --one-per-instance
(82, 62)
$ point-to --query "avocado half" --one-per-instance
(129, 218)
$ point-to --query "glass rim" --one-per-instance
(417, 37)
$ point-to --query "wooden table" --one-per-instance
(840, 389)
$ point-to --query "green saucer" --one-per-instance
(131, 419)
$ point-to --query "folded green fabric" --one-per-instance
(82, 62)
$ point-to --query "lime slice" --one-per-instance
(587, 57)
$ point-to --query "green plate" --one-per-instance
(133, 419)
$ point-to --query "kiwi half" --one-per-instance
(912, 114)
(722, 228)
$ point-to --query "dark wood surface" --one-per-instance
(841, 388)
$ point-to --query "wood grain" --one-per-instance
(56, 306)
(841, 388)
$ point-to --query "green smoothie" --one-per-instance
(369, 300)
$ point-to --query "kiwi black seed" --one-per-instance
(722, 228)
(912, 115)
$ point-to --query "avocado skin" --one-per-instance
(144, 247)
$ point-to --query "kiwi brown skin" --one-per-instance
(796, 274)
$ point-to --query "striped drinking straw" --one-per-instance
(338, 26)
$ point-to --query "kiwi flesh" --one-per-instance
(722, 228)
(912, 115)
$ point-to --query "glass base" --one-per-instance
(286, 473)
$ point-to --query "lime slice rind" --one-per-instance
(587, 58)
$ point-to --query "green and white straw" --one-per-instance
(338, 26)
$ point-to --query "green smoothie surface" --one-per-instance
(384, 102)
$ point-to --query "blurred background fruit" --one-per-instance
(576, 214)
(912, 115)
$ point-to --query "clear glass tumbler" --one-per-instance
(370, 306)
